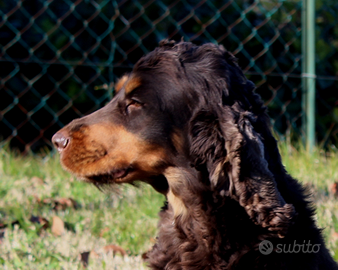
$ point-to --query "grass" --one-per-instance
(127, 218)
(30, 187)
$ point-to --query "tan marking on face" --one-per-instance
(120, 83)
(176, 177)
(102, 148)
(177, 204)
(132, 84)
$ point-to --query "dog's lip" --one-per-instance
(120, 173)
(115, 175)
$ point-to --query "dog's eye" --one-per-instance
(133, 104)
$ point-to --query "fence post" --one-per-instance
(308, 73)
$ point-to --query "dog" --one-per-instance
(187, 121)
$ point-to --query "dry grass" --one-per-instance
(127, 218)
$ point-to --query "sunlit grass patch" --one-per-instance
(127, 218)
(31, 186)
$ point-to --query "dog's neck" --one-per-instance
(184, 191)
(190, 201)
(193, 214)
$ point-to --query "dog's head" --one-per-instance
(182, 106)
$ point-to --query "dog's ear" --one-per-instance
(226, 146)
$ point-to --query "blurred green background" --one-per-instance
(59, 59)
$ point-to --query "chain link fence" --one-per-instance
(59, 59)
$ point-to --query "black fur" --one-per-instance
(222, 173)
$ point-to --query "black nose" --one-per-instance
(60, 141)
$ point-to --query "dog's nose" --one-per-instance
(60, 140)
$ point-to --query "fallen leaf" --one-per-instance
(104, 230)
(40, 220)
(334, 189)
(58, 226)
(61, 203)
(64, 203)
(47, 200)
(114, 249)
(84, 258)
(145, 255)
(37, 181)
(335, 235)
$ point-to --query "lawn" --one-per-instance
(50, 220)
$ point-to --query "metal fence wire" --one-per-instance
(59, 59)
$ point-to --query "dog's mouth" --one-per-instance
(114, 176)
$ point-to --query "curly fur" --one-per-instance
(222, 173)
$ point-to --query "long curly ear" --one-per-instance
(225, 144)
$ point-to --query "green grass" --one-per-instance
(318, 172)
(126, 218)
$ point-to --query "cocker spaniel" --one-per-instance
(187, 121)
